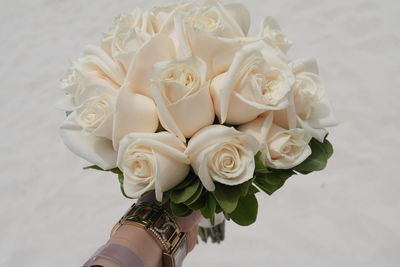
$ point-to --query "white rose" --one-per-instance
(87, 131)
(215, 19)
(240, 14)
(94, 68)
(222, 154)
(138, 20)
(182, 96)
(128, 33)
(152, 161)
(212, 32)
(313, 109)
(280, 148)
(259, 79)
(95, 115)
(272, 34)
(93, 130)
(165, 15)
(97, 150)
(228, 20)
(158, 48)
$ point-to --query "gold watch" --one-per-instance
(162, 227)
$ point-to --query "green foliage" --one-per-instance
(188, 180)
(318, 159)
(190, 195)
(227, 196)
(270, 182)
(182, 195)
(237, 202)
(244, 188)
(195, 196)
(260, 168)
(95, 167)
(180, 210)
(121, 185)
(253, 190)
(208, 211)
(200, 202)
(246, 210)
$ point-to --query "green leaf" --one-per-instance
(116, 171)
(246, 211)
(195, 196)
(270, 182)
(180, 210)
(244, 187)
(227, 217)
(121, 185)
(328, 148)
(260, 168)
(218, 209)
(252, 190)
(185, 183)
(180, 196)
(262, 171)
(227, 196)
(199, 203)
(95, 167)
(318, 159)
(208, 211)
(258, 162)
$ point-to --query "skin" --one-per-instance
(141, 243)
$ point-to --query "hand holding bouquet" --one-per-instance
(180, 101)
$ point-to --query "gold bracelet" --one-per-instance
(161, 226)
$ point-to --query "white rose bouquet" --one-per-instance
(180, 101)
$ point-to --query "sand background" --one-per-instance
(53, 213)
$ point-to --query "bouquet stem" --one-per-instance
(215, 233)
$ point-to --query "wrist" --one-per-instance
(140, 242)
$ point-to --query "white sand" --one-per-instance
(52, 213)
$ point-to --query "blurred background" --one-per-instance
(53, 213)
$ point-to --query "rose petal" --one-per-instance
(269, 29)
(158, 48)
(212, 133)
(240, 14)
(227, 17)
(105, 63)
(97, 150)
(134, 113)
(136, 190)
(170, 172)
(322, 115)
(217, 52)
(170, 164)
(200, 166)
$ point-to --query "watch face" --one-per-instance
(180, 252)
